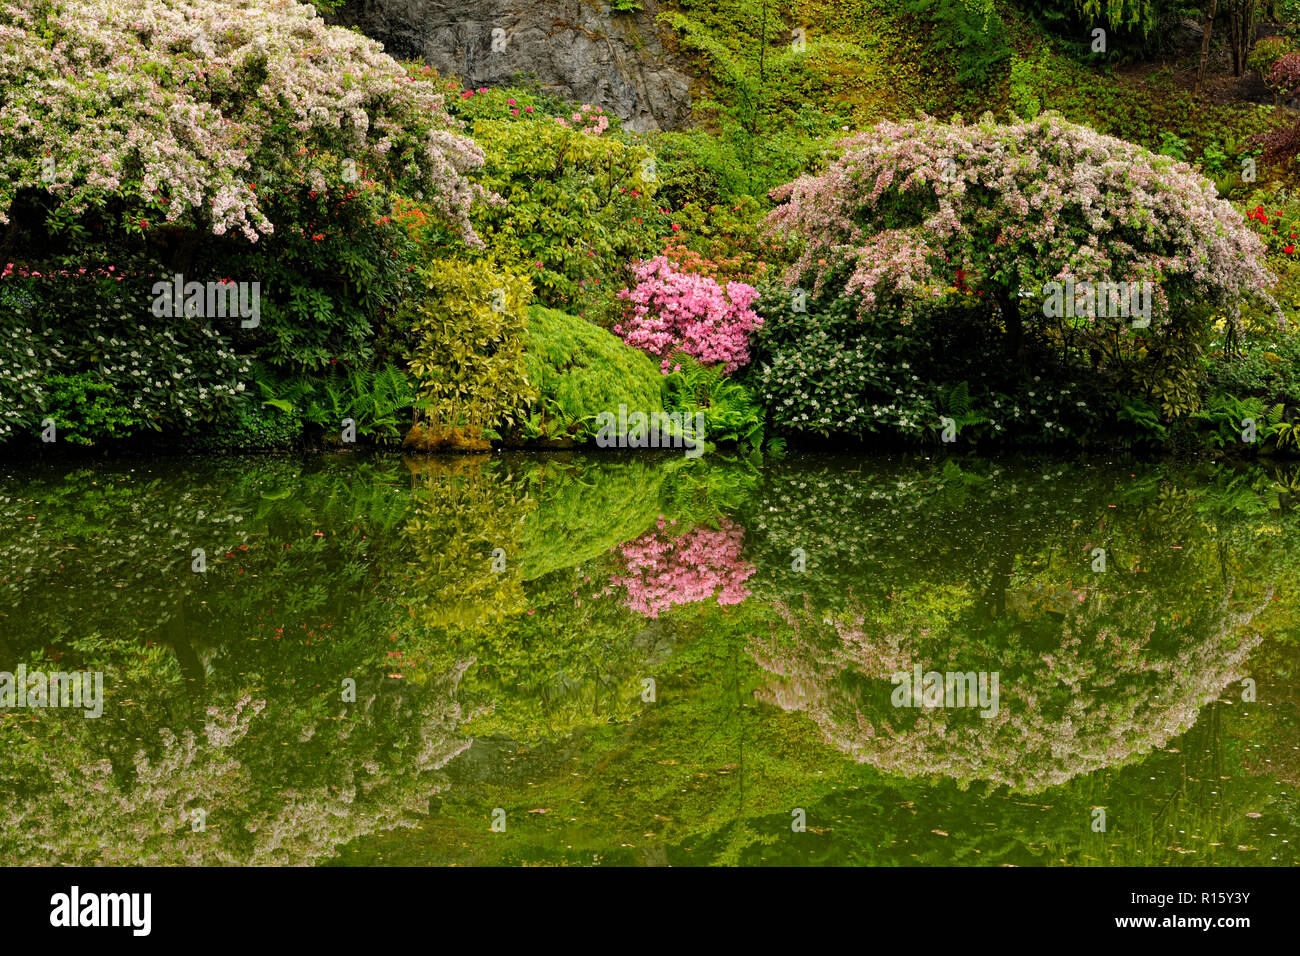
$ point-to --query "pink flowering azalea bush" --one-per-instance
(177, 109)
(663, 570)
(670, 311)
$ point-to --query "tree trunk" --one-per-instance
(1242, 15)
(1234, 37)
(1205, 42)
(1010, 309)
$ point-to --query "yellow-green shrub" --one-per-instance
(577, 206)
(468, 319)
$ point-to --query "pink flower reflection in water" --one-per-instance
(664, 570)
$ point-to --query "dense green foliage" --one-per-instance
(579, 370)
(553, 202)
(468, 358)
(577, 205)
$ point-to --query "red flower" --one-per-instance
(1289, 249)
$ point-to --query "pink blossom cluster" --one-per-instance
(912, 208)
(179, 106)
(108, 272)
(588, 119)
(672, 311)
(663, 570)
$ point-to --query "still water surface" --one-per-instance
(648, 660)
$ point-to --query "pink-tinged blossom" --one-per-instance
(671, 311)
(178, 105)
(588, 119)
(908, 205)
(663, 570)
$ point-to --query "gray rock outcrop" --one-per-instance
(578, 49)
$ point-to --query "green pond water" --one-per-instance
(648, 660)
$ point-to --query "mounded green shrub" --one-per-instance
(586, 508)
(580, 370)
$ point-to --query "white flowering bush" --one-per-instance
(822, 371)
(965, 225)
(182, 110)
(222, 139)
(913, 209)
(139, 374)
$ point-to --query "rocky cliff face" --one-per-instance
(579, 49)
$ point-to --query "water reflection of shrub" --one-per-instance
(545, 516)
(108, 554)
(586, 506)
(574, 661)
(278, 785)
(466, 509)
(1119, 677)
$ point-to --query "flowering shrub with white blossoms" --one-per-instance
(180, 376)
(181, 108)
(913, 209)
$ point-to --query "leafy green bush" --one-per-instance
(1288, 15)
(1021, 95)
(1266, 366)
(577, 205)
(826, 372)
(731, 414)
(897, 372)
(468, 321)
(376, 400)
(94, 336)
(579, 370)
(329, 276)
(84, 411)
(252, 426)
(698, 166)
(1267, 52)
